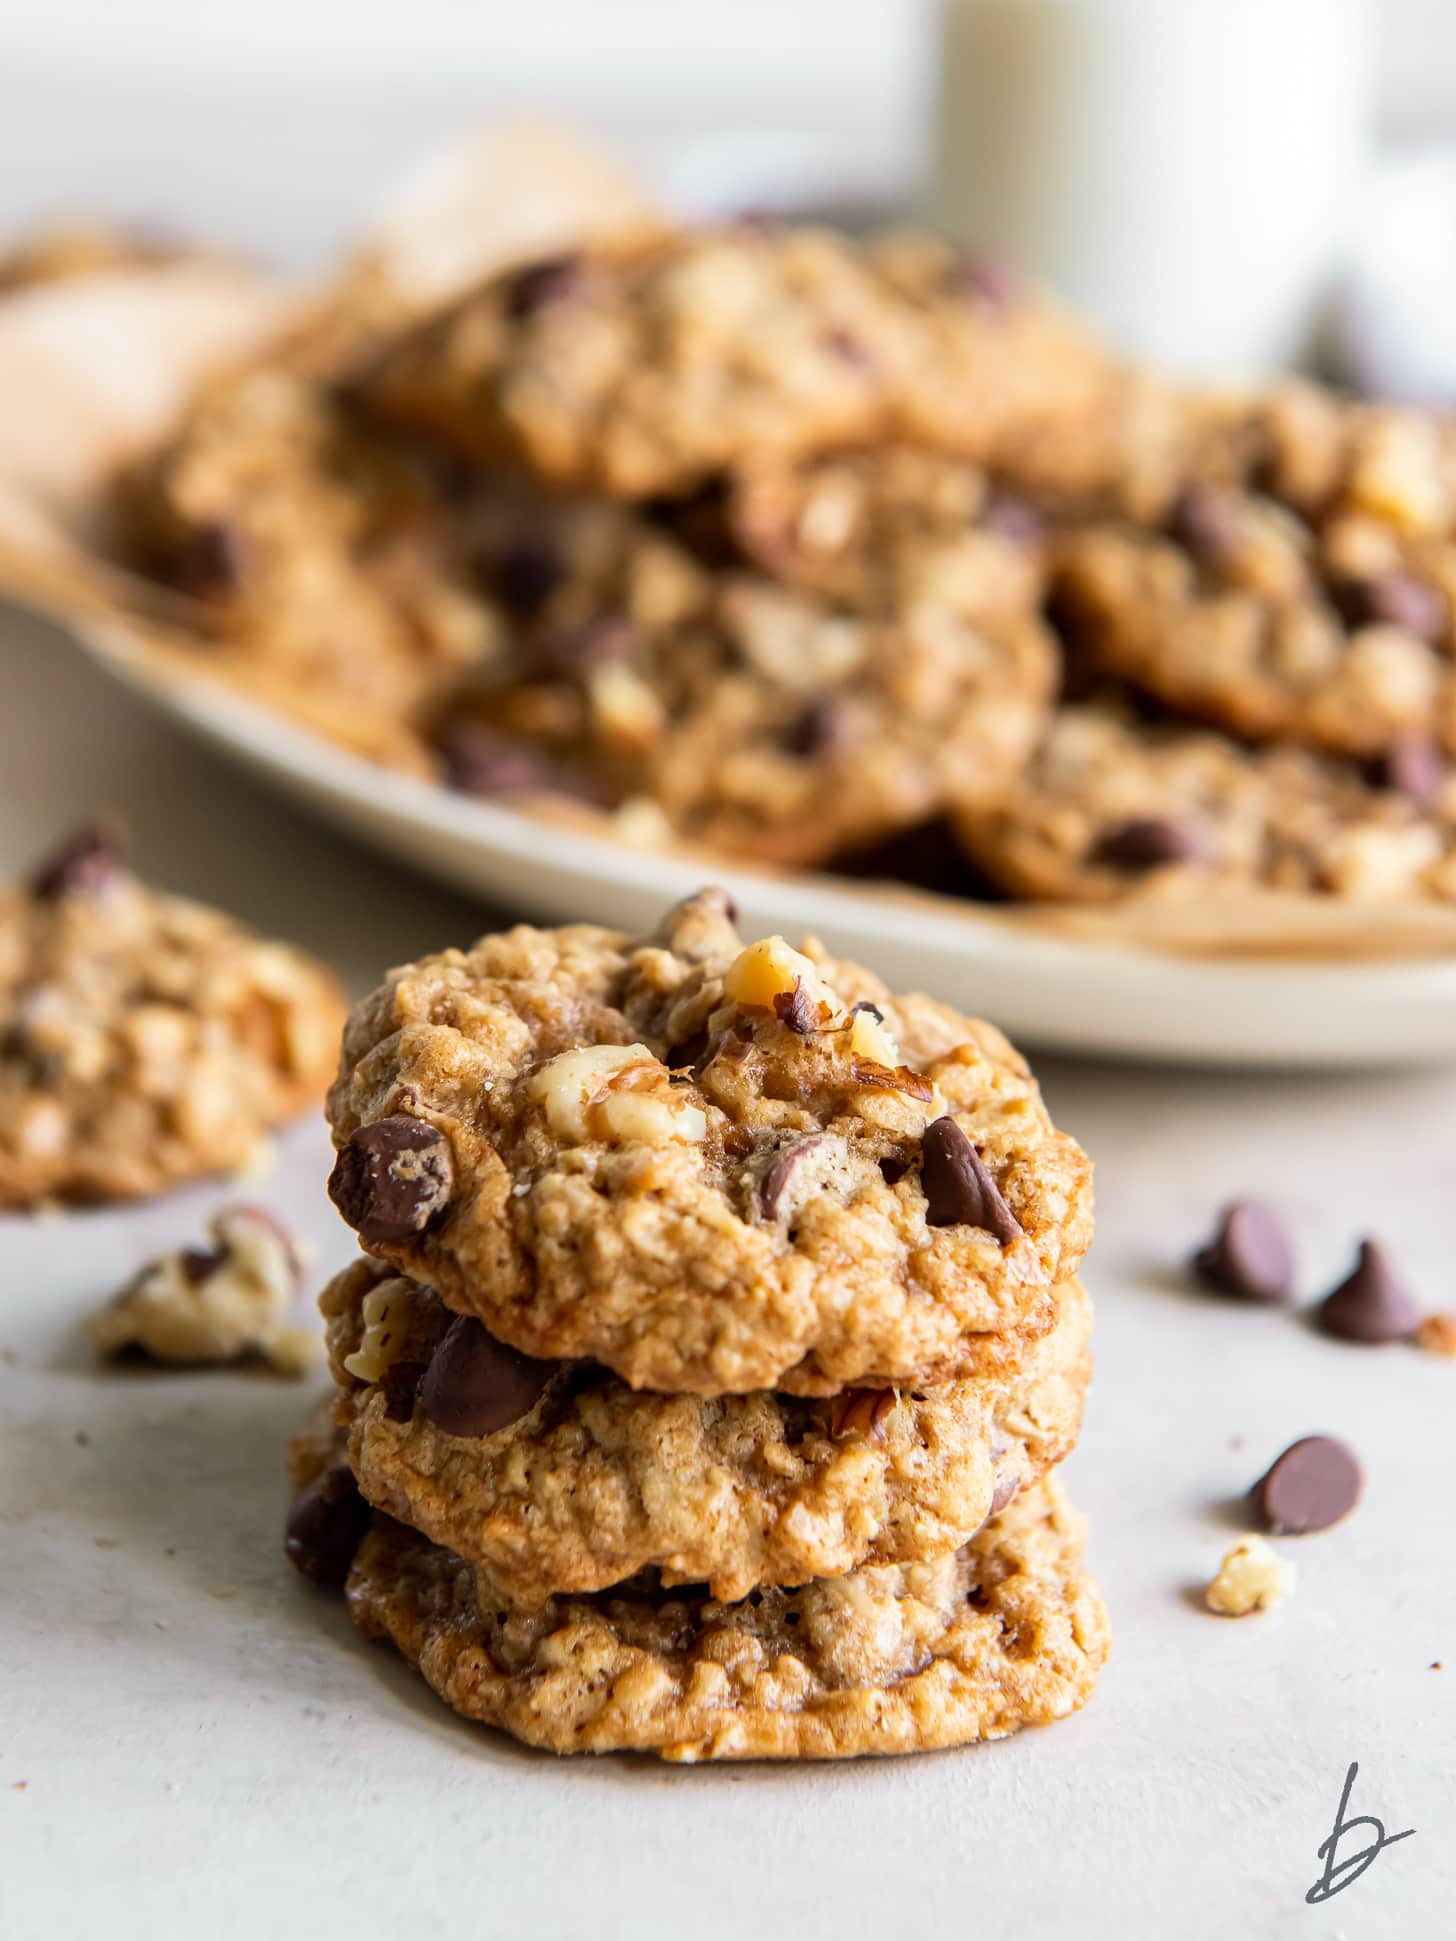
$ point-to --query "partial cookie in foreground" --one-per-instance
(714, 1168)
(558, 1477)
(144, 1040)
(645, 371)
(1111, 805)
(862, 646)
(1005, 1633)
(1305, 590)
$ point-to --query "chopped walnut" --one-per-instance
(217, 1305)
(614, 1092)
(1252, 1577)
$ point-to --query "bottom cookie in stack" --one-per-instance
(597, 1569)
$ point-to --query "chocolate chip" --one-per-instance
(208, 563)
(1147, 842)
(958, 1190)
(990, 284)
(1393, 600)
(796, 1009)
(1007, 1488)
(1372, 1305)
(399, 1382)
(542, 284)
(1205, 524)
(87, 865)
(1310, 1487)
(478, 761)
(775, 1182)
(893, 1170)
(392, 1179)
(852, 349)
(861, 1412)
(1413, 767)
(475, 1384)
(864, 1005)
(198, 1264)
(525, 576)
(826, 727)
(1013, 519)
(326, 1525)
(1249, 1255)
(570, 653)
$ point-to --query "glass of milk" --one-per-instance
(1179, 170)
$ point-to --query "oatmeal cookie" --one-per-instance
(1007, 1632)
(1112, 805)
(144, 1040)
(646, 371)
(713, 1168)
(887, 658)
(1304, 590)
(329, 575)
(558, 1477)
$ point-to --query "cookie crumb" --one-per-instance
(1437, 1334)
(1252, 1577)
(201, 1307)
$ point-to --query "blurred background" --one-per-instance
(1130, 151)
(290, 112)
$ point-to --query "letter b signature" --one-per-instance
(1340, 1874)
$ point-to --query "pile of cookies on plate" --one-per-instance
(716, 1338)
(837, 553)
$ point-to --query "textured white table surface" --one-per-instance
(191, 1741)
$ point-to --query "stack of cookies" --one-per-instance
(716, 1340)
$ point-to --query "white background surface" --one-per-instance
(205, 1746)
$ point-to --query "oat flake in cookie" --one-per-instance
(144, 1039)
(703, 1163)
(1005, 1633)
(558, 1477)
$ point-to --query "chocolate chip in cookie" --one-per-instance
(392, 1179)
(826, 727)
(86, 866)
(525, 575)
(539, 285)
(1393, 600)
(1249, 1254)
(1148, 842)
(1316, 1482)
(1371, 1306)
(476, 1385)
(958, 1189)
(326, 1525)
(775, 1182)
(1413, 767)
(1204, 523)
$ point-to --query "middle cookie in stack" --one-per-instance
(710, 1266)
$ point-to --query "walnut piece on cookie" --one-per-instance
(556, 1477)
(1252, 1577)
(144, 1040)
(225, 1303)
(713, 1167)
(1007, 1632)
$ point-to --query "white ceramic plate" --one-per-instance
(1044, 990)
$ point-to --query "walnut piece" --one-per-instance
(1252, 1577)
(222, 1304)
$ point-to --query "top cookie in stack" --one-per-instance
(719, 1338)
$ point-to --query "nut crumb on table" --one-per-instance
(1252, 1577)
